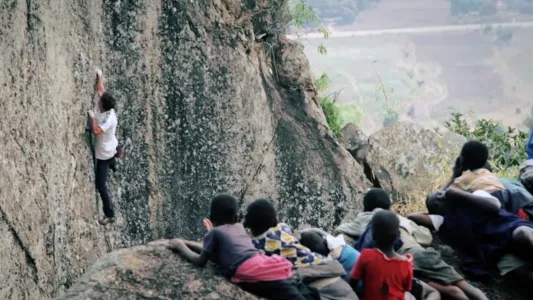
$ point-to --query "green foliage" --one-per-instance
(322, 83)
(331, 111)
(463, 7)
(350, 113)
(389, 105)
(522, 6)
(327, 103)
(505, 36)
(506, 145)
(304, 17)
(528, 122)
(343, 12)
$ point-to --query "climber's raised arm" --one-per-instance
(100, 89)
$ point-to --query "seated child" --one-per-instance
(385, 274)
(469, 172)
(228, 245)
(475, 225)
(325, 244)
(276, 238)
(428, 265)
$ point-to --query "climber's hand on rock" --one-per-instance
(91, 114)
(207, 224)
(98, 73)
(177, 244)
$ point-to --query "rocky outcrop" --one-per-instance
(211, 99)
(151, 272)
(406, 159)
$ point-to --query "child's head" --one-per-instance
(435, 202)
(260, 216)
(315, 242)
(385, 229)
(224, 209)
(474, 155)
(376, 198)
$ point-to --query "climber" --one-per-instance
(103, 126)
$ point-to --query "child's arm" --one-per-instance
(194, 246)
(488, 204)
(195, 258)
(422, 220)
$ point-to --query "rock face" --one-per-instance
(406, 159)
(151, 272)
(211, 99)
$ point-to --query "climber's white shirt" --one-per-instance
(106, 143)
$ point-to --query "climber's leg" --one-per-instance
(102, 170)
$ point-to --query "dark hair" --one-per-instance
(315, 242)
(475, 155)
(260, 216)
(224, 210)
(376, 198)
(488, 166)
(385, 229)
(108, 101)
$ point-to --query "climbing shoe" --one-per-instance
(105, 221)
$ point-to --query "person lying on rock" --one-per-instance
(103, 126)
(228, 245)
(428, 265)
(475, 226)
(472, 172)
(469, 172)
(319, 241)
(514, 198)
(275, 238)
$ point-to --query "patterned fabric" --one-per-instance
(279, 240)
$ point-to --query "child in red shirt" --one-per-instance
(386, 275)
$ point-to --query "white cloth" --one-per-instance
(335, 242)
(106, 143)
(485, 194)
(437, 221)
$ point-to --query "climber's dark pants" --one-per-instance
(102, 170)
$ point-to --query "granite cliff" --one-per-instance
(212, 98)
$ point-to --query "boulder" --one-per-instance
(406, 159)
(211, 98)
(151, 272)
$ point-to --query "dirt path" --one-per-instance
(411, 30)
